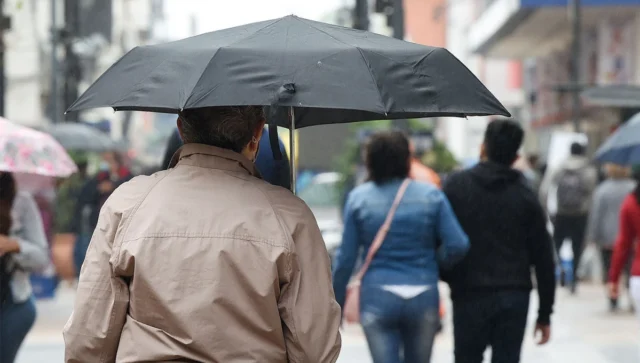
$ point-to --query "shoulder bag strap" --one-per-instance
(382, 232)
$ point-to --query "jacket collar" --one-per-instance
(213, 158)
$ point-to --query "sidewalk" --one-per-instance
(583, 331)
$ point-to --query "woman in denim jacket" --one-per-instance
(399, 293)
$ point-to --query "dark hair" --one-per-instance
(387, 156)
(224, 127)
(577, 149)
(7, 195)
(502, 140)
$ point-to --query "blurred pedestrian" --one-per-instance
(276, 172)
(528, 168)
(603, 219)
(624, 246)
(399, 299)
(205, 261)
(574, 183)
(66, 222)
(23, 249)
(111, 174)
(508, 235)
(420, 172)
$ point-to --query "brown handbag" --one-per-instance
(352, 302)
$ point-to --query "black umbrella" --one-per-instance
(81, 137)
(323, 73)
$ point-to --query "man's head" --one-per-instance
(502, 140)
(578, 149)
(236, 128)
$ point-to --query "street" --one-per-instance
(583, 331)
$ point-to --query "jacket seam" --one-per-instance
(228, 172)
(287, 235)
(133, 212)
(246, 238)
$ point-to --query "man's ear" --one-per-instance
(179, 125)
(260, 130)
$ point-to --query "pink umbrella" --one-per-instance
(27, 151)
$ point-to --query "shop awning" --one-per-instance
(613, 96)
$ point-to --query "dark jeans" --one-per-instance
(80, 251)
(16, 321)
(573, 228)
(497, 320)
(397, 329)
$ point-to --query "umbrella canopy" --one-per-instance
(623, 146)
(27, 151)
(327, 73)
(81, 137)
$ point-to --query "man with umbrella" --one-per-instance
(249, 255)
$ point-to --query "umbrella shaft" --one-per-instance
(292, 150)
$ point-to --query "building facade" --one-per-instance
(539, 32)
(503, 77)
(104, 31)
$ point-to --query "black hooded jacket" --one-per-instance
(508, 234)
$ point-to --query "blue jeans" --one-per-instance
(16, 321)
(397, 329)
(496, 319)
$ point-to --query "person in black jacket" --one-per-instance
(507, 231)
(276, 172)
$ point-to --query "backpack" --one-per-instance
(572, 191)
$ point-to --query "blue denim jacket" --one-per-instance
(424, 234)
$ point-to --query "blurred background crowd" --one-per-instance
(568, 71)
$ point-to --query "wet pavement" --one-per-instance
(583, 331)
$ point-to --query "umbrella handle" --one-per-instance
(292, 150)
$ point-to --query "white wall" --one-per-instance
(25, 74)
(464, 136)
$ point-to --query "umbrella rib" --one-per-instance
(373, 79)
(186, 102)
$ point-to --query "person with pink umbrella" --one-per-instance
(23, 244)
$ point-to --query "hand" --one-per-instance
(105, 186)
(614, 290)
(8, 245)
(544, 332)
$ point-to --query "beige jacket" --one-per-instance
(204, 262)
